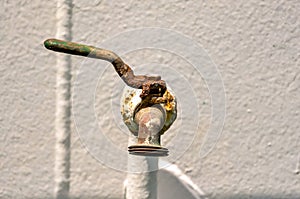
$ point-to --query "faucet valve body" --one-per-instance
(148, 119)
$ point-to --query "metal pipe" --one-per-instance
(143, 185)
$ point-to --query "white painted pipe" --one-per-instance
(142, 176)
(140, 183)
(63, 103)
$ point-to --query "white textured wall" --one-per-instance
(255, 45)
(27, 100)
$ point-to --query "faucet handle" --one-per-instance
(150, 85)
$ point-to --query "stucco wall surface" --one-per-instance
(254, 44)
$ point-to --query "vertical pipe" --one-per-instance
(63, 103)
(143, 185)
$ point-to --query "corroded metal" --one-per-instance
(148, 107)
(131, 103)
(148, 120)
(151, 86)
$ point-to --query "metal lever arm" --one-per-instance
(150, 85)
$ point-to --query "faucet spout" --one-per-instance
(148, 121)
(151, 120)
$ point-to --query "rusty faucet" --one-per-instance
(148, 107)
